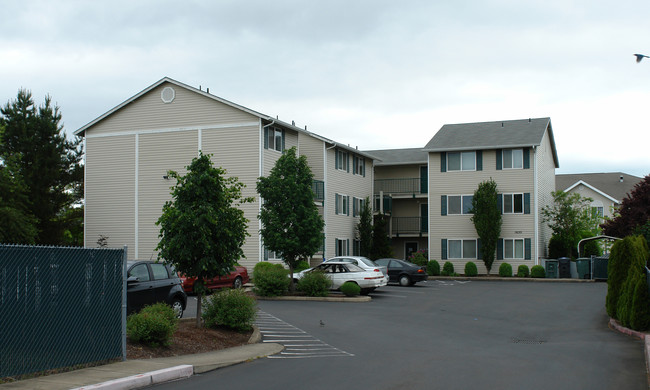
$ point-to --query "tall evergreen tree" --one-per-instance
(364, 229)
(291, 225)
(381, 247)
(17, 224)
(47, 162)
(487, 220)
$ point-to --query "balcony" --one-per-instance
(408, 226)
(318, 187)
(405, 186)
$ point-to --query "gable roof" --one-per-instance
(518, 133)
(400, 156)
(265, 118)
(607, 184)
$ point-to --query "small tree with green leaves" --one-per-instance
(487, 220)
(571, 219)
(291, 225)
(364, 229)
(380, 241)
(201, 229)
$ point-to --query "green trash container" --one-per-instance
(600, 267)
(551, 268)
(583, 266)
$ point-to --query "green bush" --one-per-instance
(447, 269)
(522, 271)
(153, 326)
(419, 257)
(350, 289)
(470, 269)
(632, 304)
(620, 259)
(315, 284)
(505, 270)
(537, 272)
(270, 280)
(231, 308)
(301, 266)
(433, 268)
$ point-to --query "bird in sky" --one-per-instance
(639, 57)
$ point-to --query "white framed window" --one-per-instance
(342, 161)
(513, 248)
(359, 166)
(342, 246)
(341, 206)
(357, 206)
(461, 161)
(459, 204)
(513, 203)
(513, 159)
(274, 139)
(461, 249)
(270, 255)
(356, 248)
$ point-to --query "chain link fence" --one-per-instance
(59, 307)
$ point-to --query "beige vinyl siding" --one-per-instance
(345, 183)
(189, 109)
(159, 153)
(546, 180)
(398, 171)
(598, 200)
(313, 149)
(237, 151)
(110, 192)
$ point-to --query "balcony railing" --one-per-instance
(409, 226)
(400, 186)
(318, 187)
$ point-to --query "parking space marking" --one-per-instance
(297, 343)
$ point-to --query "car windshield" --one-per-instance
(368, 262)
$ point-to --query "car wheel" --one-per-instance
(177, 306)
(404, 280)
(238, 283)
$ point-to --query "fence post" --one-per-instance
(124, 277)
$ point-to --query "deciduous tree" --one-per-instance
(291, 225)
(487, 220)
(634, 212)
(201, 228)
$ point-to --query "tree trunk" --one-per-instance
(199, 297)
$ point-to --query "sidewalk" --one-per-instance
(132, 374)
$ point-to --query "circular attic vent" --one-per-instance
(167, 95)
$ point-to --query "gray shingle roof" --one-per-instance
(399, 156)
(607, 183)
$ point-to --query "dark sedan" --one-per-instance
(149, 282)
(403, 272)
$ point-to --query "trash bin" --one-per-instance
(551, 268)
(583, 266)
(564, 267)
(600, 267)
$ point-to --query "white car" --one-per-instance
(362, 262)
(340, 272)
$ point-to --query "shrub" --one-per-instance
(522, 271)
(153, 326)
(470, 269)
(270, 280)
(505, 270)
(301, 266)
(620, 259)
(433, 268)
(537, 272)
(315, 284)
(632, 304)
(447, 269)
(419, 257)
(230, 308)
(350, 289)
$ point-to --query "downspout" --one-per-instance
(536, 191)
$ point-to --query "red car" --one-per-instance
(236, 279)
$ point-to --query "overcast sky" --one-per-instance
(373, 74)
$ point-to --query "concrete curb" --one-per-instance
(143, 380)
(511, 279)
(318, 299)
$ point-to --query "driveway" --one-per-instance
(449, 335)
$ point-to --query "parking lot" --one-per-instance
(448, 335)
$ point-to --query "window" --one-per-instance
(513, 203)
(342, 161)
(357, 206)
(461, 161)
(359, 167)
(341, 205)
(356, 248)
(513, 248)
(273, 139)
(269, 255)
(141, 272)
(159, 271)
(598, 211)
(459, 204)
(342, 246)
(513, 159)
(461, 249)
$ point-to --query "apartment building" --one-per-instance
(131, 147)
